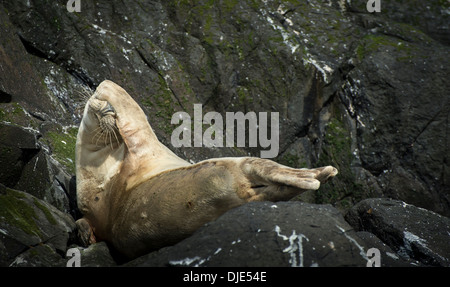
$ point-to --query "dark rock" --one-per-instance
(388, 257)
(19, 80)
(25, 166)
(42, 255)
(410, 231)
(26, 223)
(397, 127)
(96, 255)
(17, 148)
(429, 16)
(273, 234)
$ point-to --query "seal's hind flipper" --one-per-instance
(272, 181)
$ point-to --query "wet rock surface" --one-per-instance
(367, 93)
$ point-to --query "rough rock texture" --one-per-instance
(289, 234)
(32, 232)
(412, 232)
(96, 255)
(26, 166)
(367, 93)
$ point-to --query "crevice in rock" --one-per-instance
(77, 73)
(70, 192)
(33, 50)
(36, 116)
(156, 70)
(299, 133)
(426, 126)
(28, 154)
(5, 98)
(82, 77)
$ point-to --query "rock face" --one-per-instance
(26, 166)
(289, 234)
(412, 232)
(32, 232)
(96, 255)
(367, 93)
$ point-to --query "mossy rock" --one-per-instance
(15, 114)
(39, 256)
(17, 212)
(27, 222)
(370, 44)
(63, 141)
(344, 190)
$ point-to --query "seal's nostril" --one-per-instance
(108, 109)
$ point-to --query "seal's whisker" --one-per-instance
(115, 135)
(84, 94)
(87, 92)
(110, 138)
(97, 128)
(99, 134)
(106, 137)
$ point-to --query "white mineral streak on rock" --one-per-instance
(295, 244)
(352, 240)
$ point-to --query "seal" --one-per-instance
(138, 196)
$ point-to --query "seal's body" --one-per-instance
(139, 196)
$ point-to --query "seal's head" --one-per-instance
(100, 119)
(116, 150)
(111, 116)
(114, 138)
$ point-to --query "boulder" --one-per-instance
(26, 165)
(31, 230)
(283, 234)
(410, 231)
(42, 255)
(96, 255)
